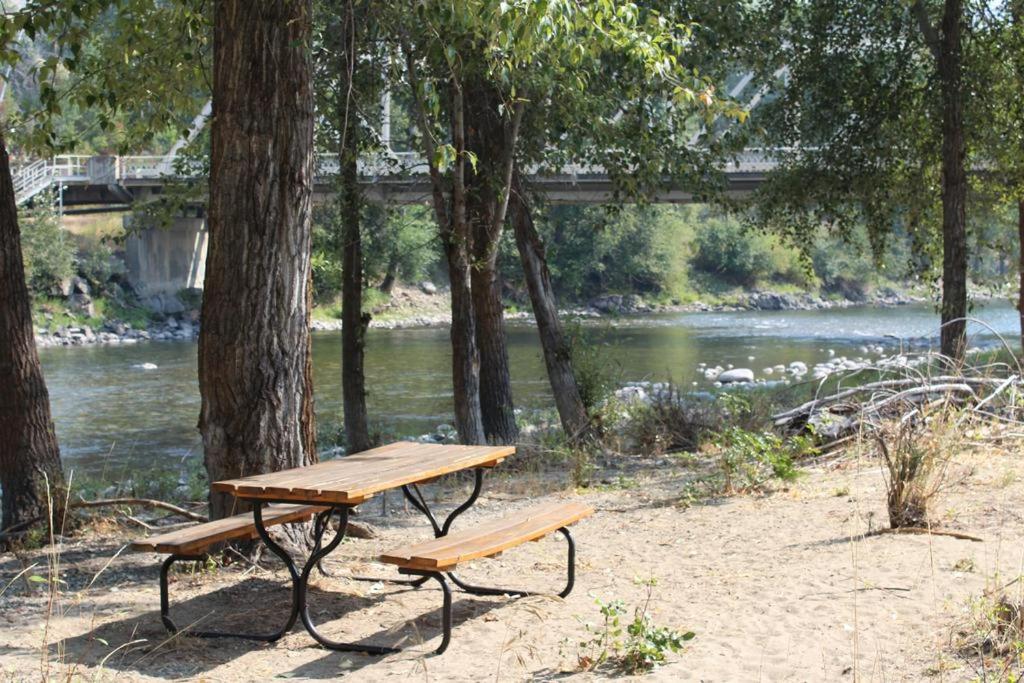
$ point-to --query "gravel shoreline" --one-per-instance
(609, 306)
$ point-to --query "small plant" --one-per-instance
(630, 648)
(748, 459)
(581, 461)
(915, 456)
(596, 374)
(97, 263)
(991, 637)
(670, 423)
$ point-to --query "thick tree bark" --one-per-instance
(954, 183)
(29, 453)
(255, 372)
(390, 277)
(1020, 268)
(488, 138)
(557, 354)
(354, 321)
(496, 407)
(465, 356)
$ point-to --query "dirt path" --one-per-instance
(777, 588)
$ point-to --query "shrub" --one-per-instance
(990, 638)
(400, 241)
(845, 267)
(48, 252)
(915, 456)
(749, 459)
(670, 422)
(98, 265)
(731, 252)
(326, 275)
(638, 648)
(596, 374)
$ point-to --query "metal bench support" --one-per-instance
(487, 590)
(165, 609)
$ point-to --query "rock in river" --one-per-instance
(737, 375)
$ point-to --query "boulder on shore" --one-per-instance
(736, 376)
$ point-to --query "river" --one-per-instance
(116, 419)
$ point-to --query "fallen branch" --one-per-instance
(16, 529)
(927, 390)
(144, 502)
(923, 530)
(810, 406)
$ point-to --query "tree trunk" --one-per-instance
(487, 138)
(954, 183)
(354, 321)
(456, 237)
(557, 354)
(465, 356)
(390, 277)
(496, 405)
(1020, 267)
(29, 454)
(255, 372)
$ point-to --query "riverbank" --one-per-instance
(427, 306)
(787, 584)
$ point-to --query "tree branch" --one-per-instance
(144, 502)
(931, 36)
(507, 164)
(436, 183)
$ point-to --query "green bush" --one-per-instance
(728, 251)
(749, 459)
(98, 264)
(48, 252)
(596, 374)
(592, 250)
(844, 266)
(399, 240)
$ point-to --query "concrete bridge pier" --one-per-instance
(166, 259)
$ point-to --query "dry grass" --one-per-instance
(916, 453)
(990, 637)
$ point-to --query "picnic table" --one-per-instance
(332, 488)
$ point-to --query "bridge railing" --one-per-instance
(36, 176)
(70, 166)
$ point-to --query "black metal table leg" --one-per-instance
(446, 607)
(420, 503)
(300, 581)
(414, 496)
(165, 609)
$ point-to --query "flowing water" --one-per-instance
(115, 419)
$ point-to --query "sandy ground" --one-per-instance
(780, 587)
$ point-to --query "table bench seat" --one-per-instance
(194, 540)
(487, 539)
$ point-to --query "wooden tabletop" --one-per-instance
(354, 478)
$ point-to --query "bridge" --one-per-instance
(162, 262)
(89, 184)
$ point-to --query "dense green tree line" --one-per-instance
(663, 253)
